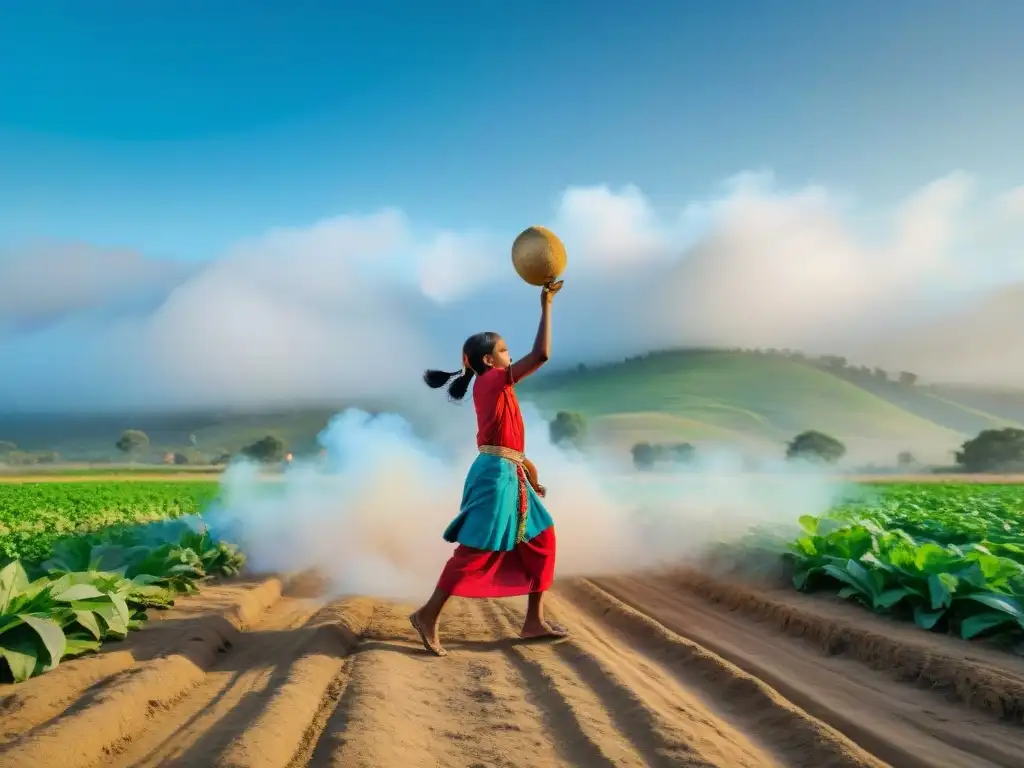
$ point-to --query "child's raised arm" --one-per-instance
(541, 351)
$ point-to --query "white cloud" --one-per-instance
(451, 264)
(927, 222)
(45, 282)
(1011, 204)
(610, 229)
(357, 305)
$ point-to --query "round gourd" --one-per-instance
(538, 256)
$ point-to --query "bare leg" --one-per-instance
(425, 622)
(536, 626)
(535, 610)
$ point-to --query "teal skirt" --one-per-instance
(489, 516)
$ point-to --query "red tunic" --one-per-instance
(530, 567)
(499, 420)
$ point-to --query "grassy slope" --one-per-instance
(948, 408)
(1004, 404)
(711, 395)
(697, 396)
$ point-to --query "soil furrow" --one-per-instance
(981, 677)
(218, 616)
(900, 723)
(650, 676)
(567, 709)
(789, 733)
(403, 707)
(230, 697)
(124, 707)
(639, 703)
(293, 718)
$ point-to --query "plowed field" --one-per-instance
(659, 671)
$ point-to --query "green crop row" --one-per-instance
(947, 514)
(33, 516)
(946, 557)
(98, 587)
(83, 562)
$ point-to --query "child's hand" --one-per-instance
(547, 293)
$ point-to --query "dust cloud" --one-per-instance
(369, 514)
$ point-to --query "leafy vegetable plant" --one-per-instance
(957, 567)
(97, 587)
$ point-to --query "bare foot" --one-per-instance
(546, 630)
(429, 639)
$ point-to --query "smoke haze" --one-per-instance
(357, 305)
(370, 516)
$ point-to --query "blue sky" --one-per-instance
(258, 199)
(179, 128)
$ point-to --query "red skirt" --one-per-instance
(530, 567)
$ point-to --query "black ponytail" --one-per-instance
(458, 388)
(437, 379)
(459, 381)
(474, 350)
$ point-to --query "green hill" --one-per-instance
(1004, 404)
(700, 395)
(758, 399)
(966, 411)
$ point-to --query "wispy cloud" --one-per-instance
(357, 305)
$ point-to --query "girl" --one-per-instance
(505, 535)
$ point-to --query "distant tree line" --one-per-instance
(836, 364)
(830, 362)
(13, 456)
(991, 450)
(647, 456)
(134, 444)
(839, 364)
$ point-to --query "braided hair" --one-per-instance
(477, 346)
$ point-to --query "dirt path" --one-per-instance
(252, 677)
(902, 724)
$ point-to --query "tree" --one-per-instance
(269, 449)
(908, 378)
(905, 459)
(683, 453)
(47, 457)
(837, 362)
(568, 427)
(993, 450)
(644, 456)
(132, 442)
(186, 455)
(815, 446)
(18, 458)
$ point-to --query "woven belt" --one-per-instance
(517, 457)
